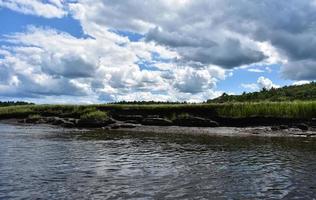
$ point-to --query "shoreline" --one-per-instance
(260, 131)
(239, 132)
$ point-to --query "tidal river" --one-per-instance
(43, 162)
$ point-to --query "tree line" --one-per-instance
(14, 103)
(305, 92)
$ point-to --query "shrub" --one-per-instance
(98, 115)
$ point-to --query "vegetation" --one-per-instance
(14, 103)
(295, 109)
(305, 92)
(285, 102)
(98, 115)
(147, 102)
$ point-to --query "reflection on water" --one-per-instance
(48, 163)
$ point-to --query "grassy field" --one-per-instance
(293, 110)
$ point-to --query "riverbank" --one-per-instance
(264, 131)
(294, 119)
(121, 127)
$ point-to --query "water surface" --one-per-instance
(49, 163)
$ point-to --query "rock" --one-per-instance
(275, 128)
(73, 120)
(118, 126)
(156, 122)
(31, 120)
(153, 116)
(132, 122)
(94, 123)
(283, 127)
(313, 122)
(128, 126)
(68, 124)
(303, 127)
(21, 121)
(50, 119)
(58, 121)
(137, 118)
(195, 122)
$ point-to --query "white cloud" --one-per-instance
(266, 83)
(225, 33)
(45, 62)
(198, 43)
(193, 81)
(50, 9)
(262, 82)
(303, 82)
(256, 70)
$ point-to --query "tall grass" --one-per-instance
(99, 115)
(298, 109)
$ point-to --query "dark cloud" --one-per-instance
(70, 66)
(217, 32)
(300, 70)
(176, 39)
(229, 55)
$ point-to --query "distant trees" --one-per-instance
(287, 93)
(148, 102)
(14, 103)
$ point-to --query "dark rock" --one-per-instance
(156, 122)
(195, 122)
(68, 124)
(118, 126)
(283, 127)
(275, 128)
(94, 123)
(73, 120)
(153, 116)
(50, 119)
(303, 127)
(137, 118)
(128, 126)
(132, 122)
(31, 120)
(313, 122)
(22, 121)
(58, 121)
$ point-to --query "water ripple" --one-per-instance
(47, 163)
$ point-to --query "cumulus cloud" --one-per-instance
(266, 83)
(187, 46)
(45, 62)
(219, 32)
(48, 9)
(193, 81)
(262, 82)
(301, 82)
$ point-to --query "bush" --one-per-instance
(98, 115)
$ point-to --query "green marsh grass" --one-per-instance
(296, 109)
(99, 115)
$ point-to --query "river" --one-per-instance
(45, 162)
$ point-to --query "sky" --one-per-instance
(98, 51)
